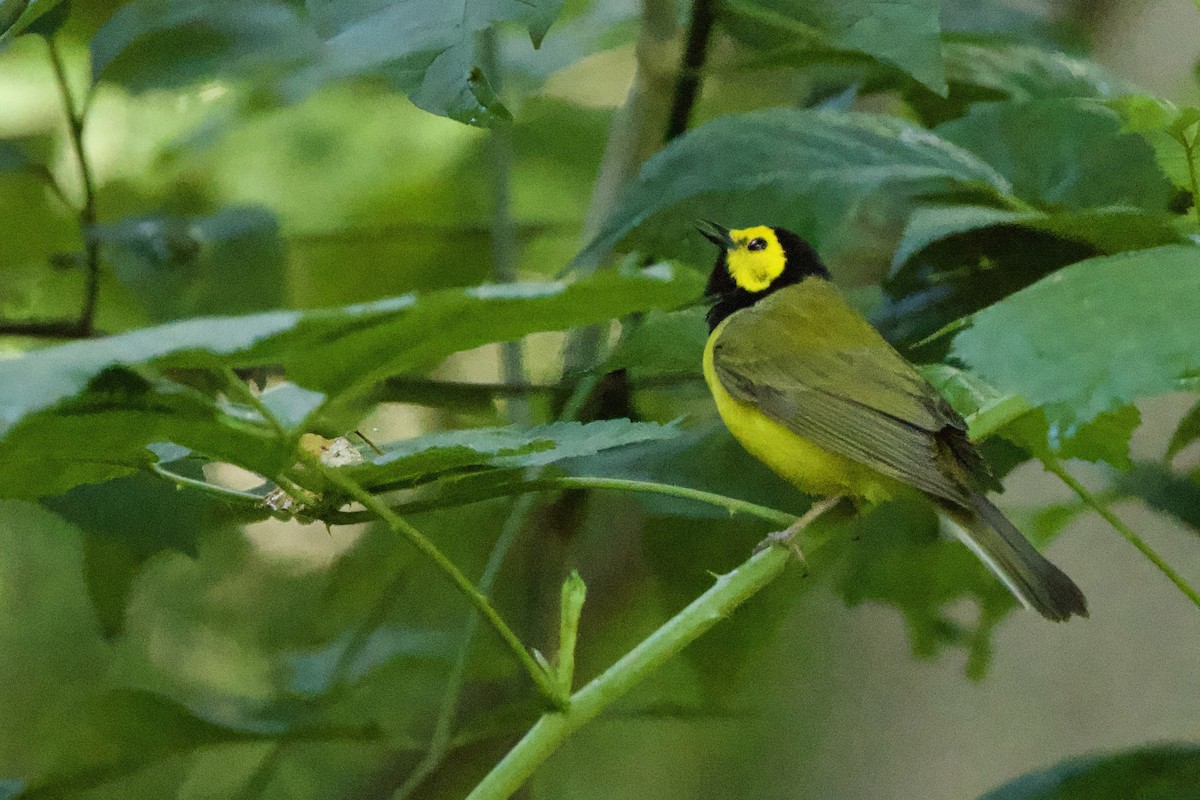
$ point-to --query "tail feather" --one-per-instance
(1034, 581)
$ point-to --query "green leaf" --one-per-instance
(903, 33)
(1108, 230)
(1164, 491)
(990, 412)
(803, 169)
(1168, 129)
(155, 44)
(897, 542)
(1162, 772)
(1067, 153)
(43, 17)
(1023, 72)
(1093, 336)
(12, 157)
(1187, 432)
(232, 262)
(84, 412)
(434, 455)
(987, 71)
(10, 12)
(427, 49)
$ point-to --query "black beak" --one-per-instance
(717, 234)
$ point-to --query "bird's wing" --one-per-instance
(810, 362)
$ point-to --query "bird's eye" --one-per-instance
(757, 244)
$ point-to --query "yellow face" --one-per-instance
(756, 258)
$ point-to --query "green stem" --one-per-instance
(87, 214)
(1189, 154)
(1137, 541)
(443, 727)
(542, 680)
(549, 732)
(493, 490)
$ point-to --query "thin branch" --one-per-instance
(1130, 535)
(45, 329)
(687, 87)
(732, 505)
(549, 732)
(87, 214)
(541, 679)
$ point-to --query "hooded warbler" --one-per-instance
(813, 391)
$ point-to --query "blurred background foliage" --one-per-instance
(325, 199)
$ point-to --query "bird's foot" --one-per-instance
(787, 537)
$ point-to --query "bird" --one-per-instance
(811, 389)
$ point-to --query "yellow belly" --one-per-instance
(812, 469)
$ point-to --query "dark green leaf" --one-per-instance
(1165, 491)
(427, 49)
(229, 263)
(801, 169)
(670, 343)
(899, 557)
(153, 44)
(1108, 230)
(904, 34)
(1095, 335)
(1066, 153)
(77, 413)
(10, 12)
(1187, 432)
(1161, 772)
(12, 157)
(43, 17)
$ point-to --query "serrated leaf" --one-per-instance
(1067, 153)
(1095, 335)
(1164, 772)
(990, 412)
(802, 169)
(1023, 72)
(902, 33)
(433, 455)
(1165, 127)
(84, 412)
(1187, 432)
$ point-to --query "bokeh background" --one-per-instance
(351, 193)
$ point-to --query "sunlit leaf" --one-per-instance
(1097, 334)
(447, 452)
(102, 401)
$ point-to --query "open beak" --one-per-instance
(715, 233)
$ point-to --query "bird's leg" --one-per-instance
(787, 537)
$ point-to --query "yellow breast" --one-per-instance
(810, 468)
